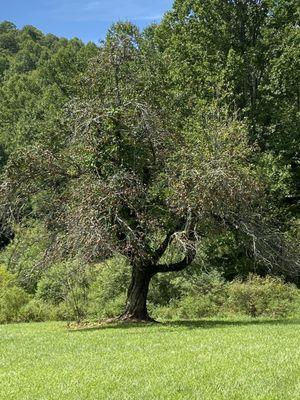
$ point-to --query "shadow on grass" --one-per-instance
(208, 324)
(188, 324)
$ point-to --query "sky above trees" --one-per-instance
(88, 20)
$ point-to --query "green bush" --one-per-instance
(107, 294)
(210, 296)
(37, 311)
(198, 307)
(65, 312)
(24, 255)
(164, 289)
(52, 287)
(190, 307)
(257, 296)
(110, 309)
(12, 297)
(67, 282)
(71, 290)
(11, 301)
(7, 279)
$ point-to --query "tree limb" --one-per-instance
(164, 245)
(179, 266)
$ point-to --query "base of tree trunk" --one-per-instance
(102, 324)
(126, 317)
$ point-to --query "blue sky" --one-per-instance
(87, 20)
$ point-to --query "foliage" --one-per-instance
(69, 292)
(38, 311)
(24, 256)
(212, 296)
(67, 282)
(246, 53)
(107, 294)
(12, 297)
(194, 294)
(258, 296)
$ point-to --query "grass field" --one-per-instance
(189, 360)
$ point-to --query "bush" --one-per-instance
(198, 307)
(12, 297)
(7, 279)
(107, 294)
(65, 312)
(11, 301)
(162, 289)
(167, 288)
(190, 307)
(24, 255)
(257, 296)
(110, 309)
(37, 311)
(71, 290)
(210, 296)
(67, 282)
(52, 287)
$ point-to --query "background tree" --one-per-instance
(38, 75)
(246, 53)
(230, 51)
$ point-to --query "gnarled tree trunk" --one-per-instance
(136, 306)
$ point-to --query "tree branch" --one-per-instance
(163, 247)
(179, 266)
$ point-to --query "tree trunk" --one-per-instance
(136, 307)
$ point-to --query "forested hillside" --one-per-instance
(167, 157)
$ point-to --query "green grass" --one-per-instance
(194, 360)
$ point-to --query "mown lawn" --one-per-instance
(190, 360)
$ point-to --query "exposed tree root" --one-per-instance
(117, 321)
(131, 318)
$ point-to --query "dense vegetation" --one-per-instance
(172, 149)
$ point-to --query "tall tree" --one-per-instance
(245, 52)
(38, 75)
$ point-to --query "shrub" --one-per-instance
(197, 295)
(211, 296)
(12, 297)
(198, 307)
(111, 309)
(24, 255)
(190, 307)
(65, 312)
(107, 294)
(165, 289)
(67, 282)
(7, 279)
(257, 296)
(52, 287)
(162, 290)
(37, 311)
(11, 301)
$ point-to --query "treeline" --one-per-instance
(38, 74)
(173, 147)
